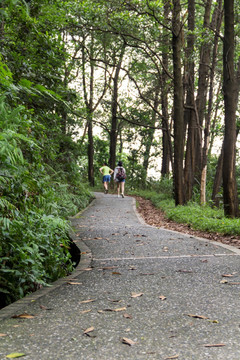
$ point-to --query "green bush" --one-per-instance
(34, 205)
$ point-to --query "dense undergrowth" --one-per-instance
(204, 218)
(35, 203)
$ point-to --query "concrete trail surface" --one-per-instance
(138, 293)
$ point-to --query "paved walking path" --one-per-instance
(139, 293)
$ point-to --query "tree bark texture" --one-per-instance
(189, 113)
(216, 24)
(231, 208)
(203, 74)
(114, 122)
(166, 138)
(178, 117)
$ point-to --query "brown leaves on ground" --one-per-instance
(88, 332)
(23, 316)
(135, 295)
(214, 345)
(155, 217)
(128, 341)
(87, 301)
(198, 316)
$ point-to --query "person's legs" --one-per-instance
(106, 180)
(122, 188)
(118, 188)
(105, 186)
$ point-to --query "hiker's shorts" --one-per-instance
(106, 178)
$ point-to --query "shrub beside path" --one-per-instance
(138, 293)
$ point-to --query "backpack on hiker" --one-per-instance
(121, 175)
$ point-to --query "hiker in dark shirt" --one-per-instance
(119, 177)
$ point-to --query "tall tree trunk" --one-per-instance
(114, 121)
(150, 135)
(178, 104)
(217, 180)
(90, 152)
(89, 106)
(166, 139)
(202, 86)
(230, 199)
(216, 23)
(189, 113)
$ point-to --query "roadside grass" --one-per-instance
(204, 218)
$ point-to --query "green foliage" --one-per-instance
(34, 204)
(198, 217)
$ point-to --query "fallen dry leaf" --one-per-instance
(172, 357)
(162, 297)
(198, 316)
(127, 316)
(85, 311)
(135, 295)
(116, 310)
(224, 281)
(86, 301)
(128, 341)
(2, 334)
(234, 283)
(214, 345)
(44, 307)
(120, 309)
(116, 273)
(74, 283)
(23, 316)
(131, 267)
(88, 330)
(146, 274)
(227, 275)
(88, 269)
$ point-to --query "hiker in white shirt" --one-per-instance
(119, 177)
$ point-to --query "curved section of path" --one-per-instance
(140, 293)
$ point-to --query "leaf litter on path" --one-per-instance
(127, 341)
(135, 295)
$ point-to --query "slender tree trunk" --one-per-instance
(217, 180)
(166, 139)
(216, 23)
(202, 86)
(189, 113)
(114, 122)
(231, 207)
(150, 135)
(90, 153)
(178, 104)
(89, 106)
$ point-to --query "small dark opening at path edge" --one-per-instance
(74, 252)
